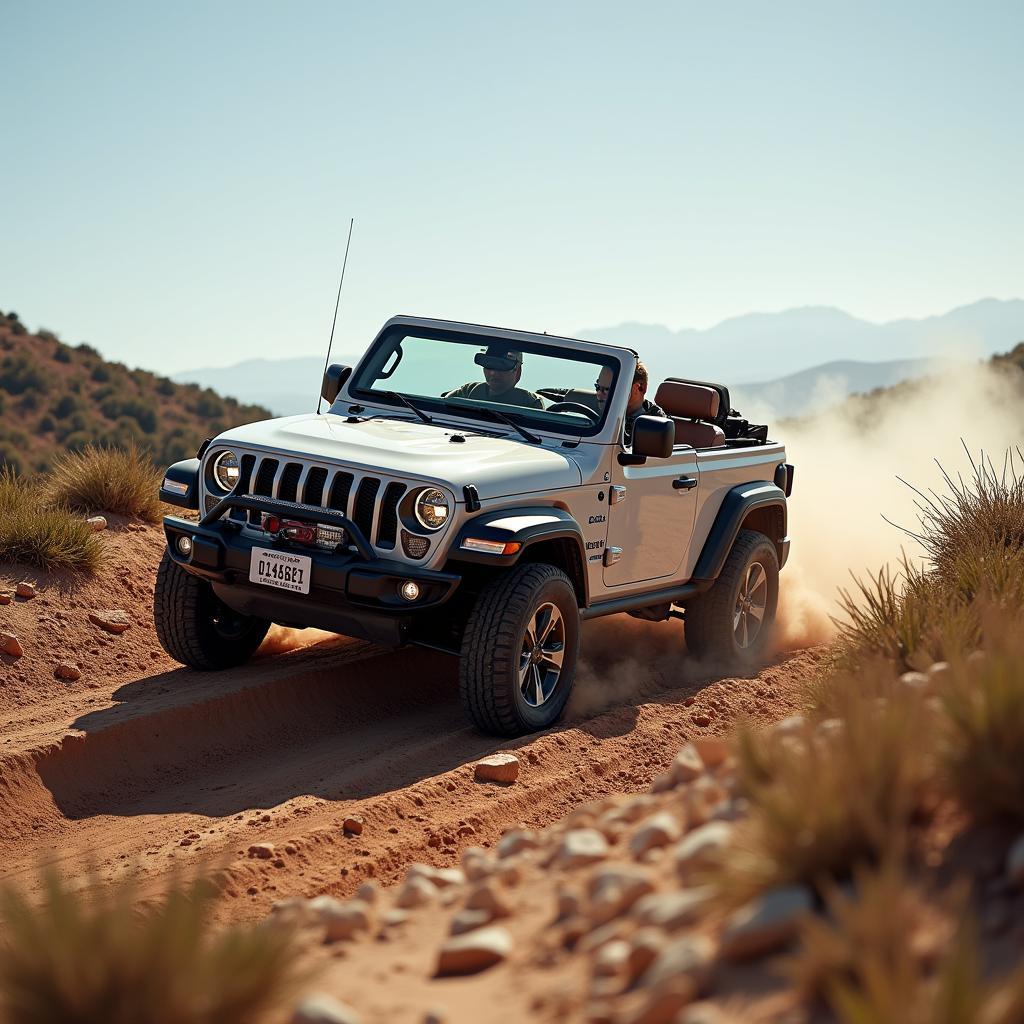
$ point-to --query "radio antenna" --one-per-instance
(337, 301)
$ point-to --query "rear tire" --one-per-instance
(519, 651)
(195, 627)
(732, 624)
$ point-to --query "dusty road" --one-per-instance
(143, 767)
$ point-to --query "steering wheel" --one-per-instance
(575, 407)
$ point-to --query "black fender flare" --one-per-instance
(182, 473)
(523, 525)
(739, 502)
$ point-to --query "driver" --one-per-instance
(499, 385)
(638, 405)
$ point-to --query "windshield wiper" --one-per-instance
(495, 414)
(405, 401)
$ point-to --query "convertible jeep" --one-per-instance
(472, 490)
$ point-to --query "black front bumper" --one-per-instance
(350, 593)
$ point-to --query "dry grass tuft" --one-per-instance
(891, 954)
(106, 961)
(42, 535)
(981, 745)
(831, 798)
(98, 479)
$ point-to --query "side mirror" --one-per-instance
(653, 436)
(334, 380)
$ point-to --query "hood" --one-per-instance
(496, 466)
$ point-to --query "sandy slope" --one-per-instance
(142, 766)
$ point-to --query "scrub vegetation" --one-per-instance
(107, 960)
(56, 397)
(919, 719)
(99, 479)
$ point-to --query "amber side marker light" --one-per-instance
(491, 547)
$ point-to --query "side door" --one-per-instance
(651, 514)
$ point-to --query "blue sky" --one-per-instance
(176, 180)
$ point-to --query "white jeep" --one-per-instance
(487, 522)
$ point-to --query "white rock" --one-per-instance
(346, 921)
(658, 830)
(1015, 862)
(442, 878)
(688, 957)
(473, 952)
(614, 890)
(323, 1009)
(702, 846)
(498, 768)
(701, 799)
(516, 841)
(766, 923)
(97, 523)
(415, 892)
(368, 892)
(673, 910)
(581, 846)
(469, 920)
(686, 765)
(940, 670)
(475, 863)
(829, 728)
(917, 682)
(485, 897)
(793, 725)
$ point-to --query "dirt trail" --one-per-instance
(143, 767)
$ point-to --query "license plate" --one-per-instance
(280, 569)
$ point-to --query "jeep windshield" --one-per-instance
(531, 383)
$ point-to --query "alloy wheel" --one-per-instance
(542, 654)
(751, 603)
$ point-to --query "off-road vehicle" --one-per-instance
(470, 489)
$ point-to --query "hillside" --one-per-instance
(55, 396)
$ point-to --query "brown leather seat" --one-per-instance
(687, 405)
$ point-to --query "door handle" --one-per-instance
(684, 483)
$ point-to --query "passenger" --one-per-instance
(638, 405)
(500, 385)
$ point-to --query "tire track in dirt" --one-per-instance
(185, 769)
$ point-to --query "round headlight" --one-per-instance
(432, 508)
(226, 470)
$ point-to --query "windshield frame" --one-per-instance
(534, 419)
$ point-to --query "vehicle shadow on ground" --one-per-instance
(338, 721)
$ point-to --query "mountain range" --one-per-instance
(776, 361)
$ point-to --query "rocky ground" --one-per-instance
(114, 758)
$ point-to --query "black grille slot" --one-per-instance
(265, 478)
(288, 487)
(210, 502)
(313, 493)
(387, 528)
(245, 478)
(366, 499)
(339, 492)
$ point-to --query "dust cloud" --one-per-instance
(846, 480)
(283, 638)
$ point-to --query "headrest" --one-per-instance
(690, 400)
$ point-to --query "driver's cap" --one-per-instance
(502, 353)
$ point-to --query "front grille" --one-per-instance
(372, 505)
(387, 529)
(366, 501)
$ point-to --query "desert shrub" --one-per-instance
(887, 953)
(46, 335)
(209, 405)
(62, 354)
(46, 424)
(826, 799)
(982, 740)
(29, 401)
(100, 373)
(34, 531)
(165, 386)
(106, 479)
(103, 960)
(143, 414)
(19, 373)
(88, 350)
(66, 405)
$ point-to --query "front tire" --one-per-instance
(732, 623)
(519, 651)
(195, 627)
